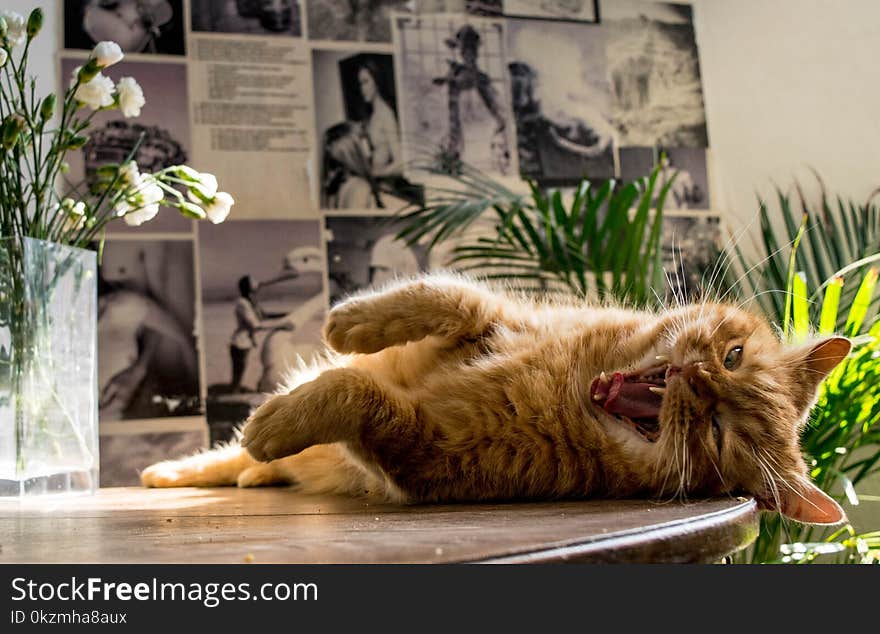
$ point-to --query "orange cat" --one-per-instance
(444, 390)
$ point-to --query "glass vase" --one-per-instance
(48, 369)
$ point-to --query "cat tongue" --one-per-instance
(626, 398)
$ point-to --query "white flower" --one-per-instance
(3, 57)
(206, 188)
(142, 204)
(141, 215)
(129, 173)
(122, 207)
(131, 97)
(107, 53)
(97, 93)
(75, 214)
(76, 217)
(16, 26)
(151, 192)
(219, 207)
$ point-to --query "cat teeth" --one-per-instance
(603, 378)
(662, 358)
(660, 391)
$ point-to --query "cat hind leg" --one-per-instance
(217, 467)
(318, 469)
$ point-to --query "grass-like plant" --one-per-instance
(836, 240)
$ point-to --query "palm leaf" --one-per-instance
(540, 239)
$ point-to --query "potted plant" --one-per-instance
(48, 272)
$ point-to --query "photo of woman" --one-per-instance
(362, 165)
(382, 133)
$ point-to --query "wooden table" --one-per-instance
(277, 525)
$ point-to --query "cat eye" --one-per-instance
(733, 358)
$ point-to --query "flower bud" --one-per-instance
(12, 128)
(34, 23)
(3, 55)
(187, 173)
(76, 142)
(107, 53)
(88, 71)
(190, 210)
(47, 108)
(107, 171)
(4, 27)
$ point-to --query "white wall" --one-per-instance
(790, 84)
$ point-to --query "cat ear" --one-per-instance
(825, 356)
(813, 365)
(808, 505)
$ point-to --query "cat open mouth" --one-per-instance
(634, 398)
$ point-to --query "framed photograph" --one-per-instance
(263, 305)
(561, 102)
(248, 17)
(163, 122)
(454, 93)
(574, 10)
(138, 26)
(147, 361)
(352, 20)
(356, 119)
(654, 67)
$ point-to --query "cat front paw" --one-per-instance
(280, 426)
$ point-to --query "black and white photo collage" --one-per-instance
(324, 118)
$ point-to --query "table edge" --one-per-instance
(705, 539)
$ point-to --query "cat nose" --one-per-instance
(699, 379)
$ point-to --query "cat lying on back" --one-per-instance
(444, 390)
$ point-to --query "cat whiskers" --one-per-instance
(683, 466)
(717, 273)
(770, 462)
(752, 268)
(769, 482)
(714, 464)
(680, 289)
(669, 466)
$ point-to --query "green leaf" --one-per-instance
(830, 303)
(791, 274)
(801, 306)
(861, 302)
